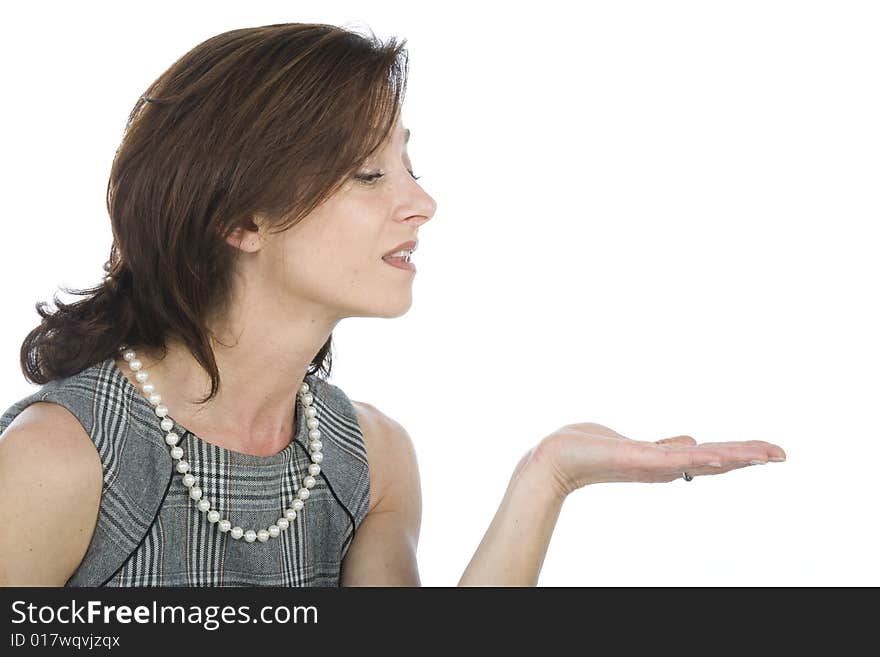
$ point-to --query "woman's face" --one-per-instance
(330, 264)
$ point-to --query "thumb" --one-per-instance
(677, 440)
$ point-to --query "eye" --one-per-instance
(370, 177)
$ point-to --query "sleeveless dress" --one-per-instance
(149, 531)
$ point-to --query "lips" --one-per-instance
(406, 246)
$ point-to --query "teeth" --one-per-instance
(399, 254)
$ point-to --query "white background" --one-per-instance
(660, 217)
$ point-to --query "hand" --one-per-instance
(588, 453)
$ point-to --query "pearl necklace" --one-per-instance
(183, 466)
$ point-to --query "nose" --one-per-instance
(421, 207)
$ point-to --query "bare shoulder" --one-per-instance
(391, 456)
(46, 429)
(51, 478)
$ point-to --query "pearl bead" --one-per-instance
(303, 493)
(176, 453)
(290, 514)
(213, 515)
(236, 533)
(308, 399)
(309, 482)
(155, 398)
(316, 445)
(166, 424)
(161, 410)
(223, 525)
(250, 536)
(312, 423)
(297, 504)
(135, 364)
(128, 355)
(283, 523)
(172, 438)
(195, 492)
(304, 388)
(314, 469)
(204, 505)
(188, 480)
(311, 411)
(317, 457)
(182, 466)
(315, 434)
(141, 377)
(274, 530)
(148, 388)
(263, 535)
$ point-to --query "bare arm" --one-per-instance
(513, 549)
(50, 491)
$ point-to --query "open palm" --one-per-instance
(589, 453)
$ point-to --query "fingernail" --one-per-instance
(757, 462)
(715, 464)
(777, 458)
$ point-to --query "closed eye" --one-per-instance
(370, 177)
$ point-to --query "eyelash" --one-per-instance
(374, 176)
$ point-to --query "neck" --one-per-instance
(255, 406)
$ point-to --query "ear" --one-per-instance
(247, 237)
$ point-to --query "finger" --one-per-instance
(689, 458)
(726, 467)
(671, 459)
(744, 451)
(732, 461)
(676, 440)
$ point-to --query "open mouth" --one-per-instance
(400, 261)
(401, 256)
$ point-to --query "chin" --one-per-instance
(387, 308)
(390, 310)
(402, 310)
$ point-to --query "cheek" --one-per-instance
(328, 268)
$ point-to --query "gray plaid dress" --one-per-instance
(149, 531)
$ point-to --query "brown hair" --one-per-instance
(268, 120)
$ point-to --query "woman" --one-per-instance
(182, 435)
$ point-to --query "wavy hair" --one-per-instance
(269, 121)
